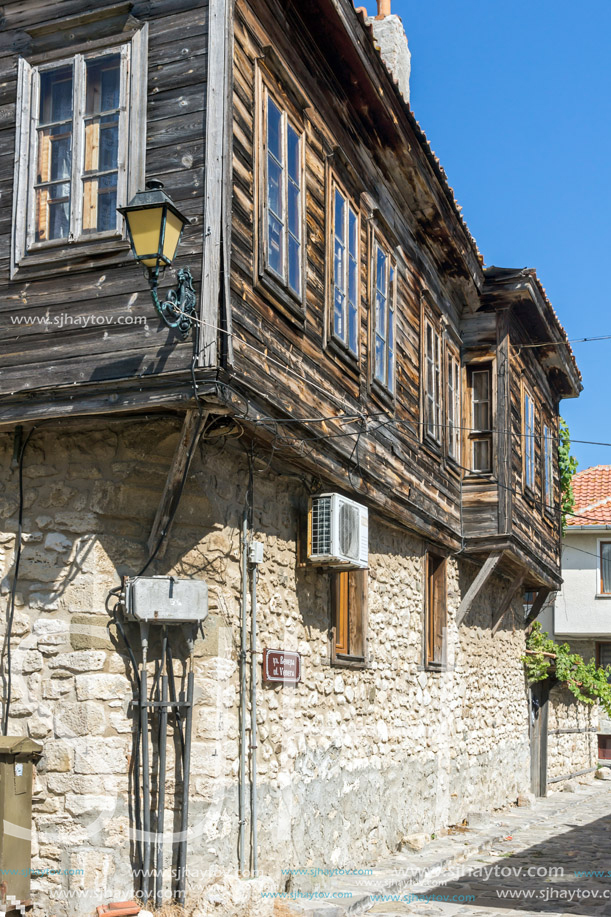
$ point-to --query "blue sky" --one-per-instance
(515, 100)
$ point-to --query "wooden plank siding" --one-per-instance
(425, 488)
(275, 352)
(39, 356)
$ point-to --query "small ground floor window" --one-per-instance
(604, 748)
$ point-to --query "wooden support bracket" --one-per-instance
(191, 430)
(478, 584)
(508, 598)
(537, 605)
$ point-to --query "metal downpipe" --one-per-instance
(253, 720)
(146, 791)
(243, 657)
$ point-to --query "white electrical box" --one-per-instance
(338, 532)
(166, 600)
(255, 552)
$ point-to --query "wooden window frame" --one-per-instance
(454, 404)
(270, 85)
(529, 441)
(436, 610)
(335, 185)
(473, 433)
(349, 603)
(548, 466)
(432, 401)
(28, 254)
(378, 242)
(601, 543)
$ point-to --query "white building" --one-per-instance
(581, 614)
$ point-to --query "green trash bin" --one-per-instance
(17, 756)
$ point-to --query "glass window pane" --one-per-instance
(338, 315)
(380, 315)
(99, 203)
(274, 125)
(381, 271)
(481, 455)
(379, 358)
(275, 247)
(109, 145)
(103, 84)
(294, 265)
(339, 273)
(481, 385)
(293, 147)
(107, 211)
(605, 563)
(339, 224)
(480, 416)
(59, 220)
(61, 157)
(55, 95)
(274, 187)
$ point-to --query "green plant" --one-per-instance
(567, 465)
(588, 682)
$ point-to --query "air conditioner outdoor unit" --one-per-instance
(338, 532)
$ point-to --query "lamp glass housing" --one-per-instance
(155, 226)
(145, 232)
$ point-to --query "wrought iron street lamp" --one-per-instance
(155, 226)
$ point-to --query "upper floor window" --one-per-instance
(80, 147)
(432, 381)
(480, 434)
(283, 197)
(548, 466)
(529, 441)
(345, 237)
(384, 297)
(454, 425)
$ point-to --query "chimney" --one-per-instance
(389, 34)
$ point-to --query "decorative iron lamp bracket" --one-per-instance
(178, 308)
(155, 225)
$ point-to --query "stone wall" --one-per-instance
(350, 761)
(570, 751)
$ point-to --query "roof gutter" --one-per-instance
(588, 528)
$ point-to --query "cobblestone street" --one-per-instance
(542, 869)
(553, 859)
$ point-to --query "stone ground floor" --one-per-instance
(373, 745)
(550, 858)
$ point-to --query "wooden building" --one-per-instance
(345, 322)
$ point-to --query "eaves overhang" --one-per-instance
(521, 290)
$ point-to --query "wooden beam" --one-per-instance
(503, 415)
(508, 598)
(216, 175)
(537, 605)
(191, 430)
(478, 584)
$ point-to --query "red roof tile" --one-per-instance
(592, 489)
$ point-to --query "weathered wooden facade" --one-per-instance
(348, 338)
